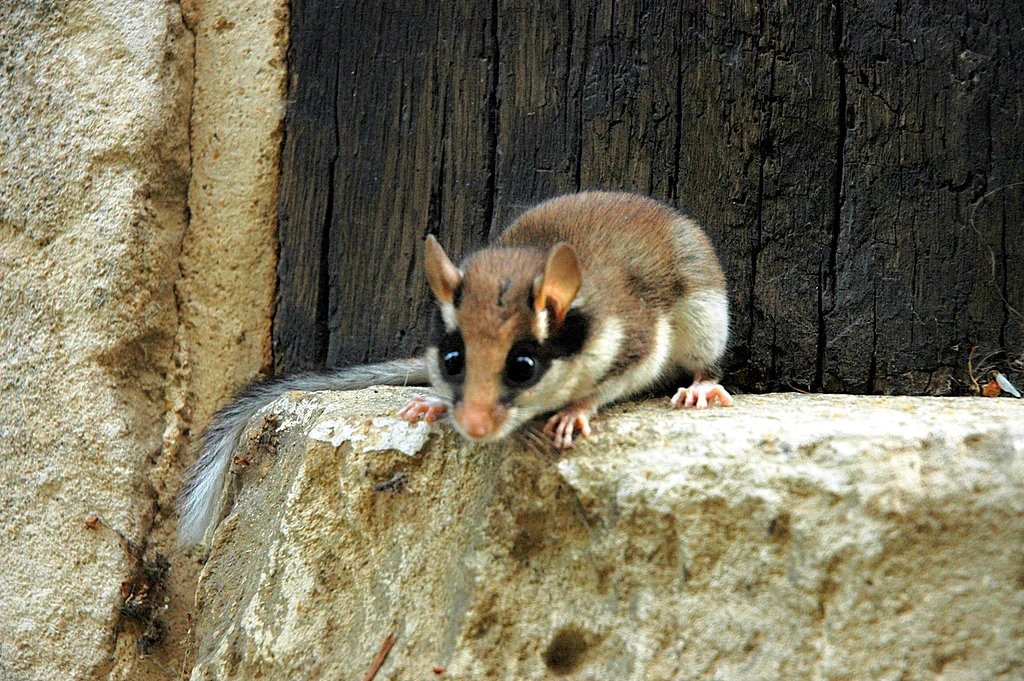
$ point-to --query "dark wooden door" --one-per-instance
(859, 166)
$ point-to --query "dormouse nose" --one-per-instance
(479, 420)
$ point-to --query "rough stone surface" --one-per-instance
(94, 164)
(227, 265)
(138, 171)
(790, 537)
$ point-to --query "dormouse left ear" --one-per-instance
(557, 287)
(443, 276)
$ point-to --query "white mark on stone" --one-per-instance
(400, 435)
(336, 432)
(385, 433)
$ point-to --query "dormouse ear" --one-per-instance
(558, 286)
(444, 277)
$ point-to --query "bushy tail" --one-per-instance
(197, 503)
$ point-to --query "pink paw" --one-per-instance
(561, 426)
(700, 395)
(427, 409)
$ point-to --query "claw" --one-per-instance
(561, 426)
(427, 409)
(701, 395)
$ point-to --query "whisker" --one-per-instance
(530, 445)
(540, 446)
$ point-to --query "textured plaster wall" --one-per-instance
(138, 166)
(94, 166)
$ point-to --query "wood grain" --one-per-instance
(859, 167)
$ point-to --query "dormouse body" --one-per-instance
(585, 299)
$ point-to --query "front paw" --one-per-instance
(561, 426)
(701, 395)
(427, 409)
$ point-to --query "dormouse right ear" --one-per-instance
(557, 287)
(444, 277)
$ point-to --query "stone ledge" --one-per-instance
(791, 537)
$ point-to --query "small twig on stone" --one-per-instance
(796, 389)
(384, 649)
(187, 644)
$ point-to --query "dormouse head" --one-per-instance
(505, 321)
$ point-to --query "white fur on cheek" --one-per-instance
(554, 390)
(605, 348)
(644, 374)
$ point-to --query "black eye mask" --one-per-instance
(569, 338)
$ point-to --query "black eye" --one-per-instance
(525, 364)
(451, 355)
(520, 369)
(452, 363)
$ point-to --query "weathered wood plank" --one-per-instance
(921, 264)
(413, 148)
(305, 201)
(759, 129)
(628, 97)
(537, 133)
(858, 166)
